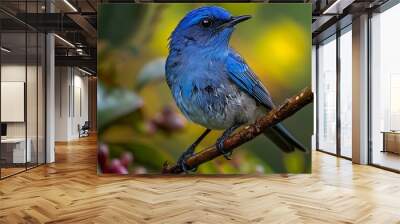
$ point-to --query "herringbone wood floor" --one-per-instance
(69, 191)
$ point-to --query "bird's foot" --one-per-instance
(182, 161)
(220, 147)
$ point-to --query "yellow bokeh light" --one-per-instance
(283, 48)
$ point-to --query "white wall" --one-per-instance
(62, 81)
(80, 109)
(71, 102)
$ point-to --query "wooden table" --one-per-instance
(391, 141)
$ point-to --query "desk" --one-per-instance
(16, 147)
(391, 141)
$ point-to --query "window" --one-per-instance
(327, 96)
(385, 89)
(346, 92)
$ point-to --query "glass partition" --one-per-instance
(14, 151)
(22, 93)
(34, 60)
(32, 95)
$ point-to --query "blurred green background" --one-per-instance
(137, 114)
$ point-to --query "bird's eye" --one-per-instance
(206, 22)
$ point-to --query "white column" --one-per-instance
(360, 90)
(50, 100)
(50, 92)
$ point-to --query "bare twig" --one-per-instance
(291, 106)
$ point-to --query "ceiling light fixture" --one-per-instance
(65, 41)
(70, 5)
(84, 71)
(337, 7)
(79, 51)
(333, 6)
(5, 50)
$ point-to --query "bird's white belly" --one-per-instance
(238, 108)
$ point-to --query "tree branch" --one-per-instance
(291, 106)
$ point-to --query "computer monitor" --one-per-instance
(3, 129)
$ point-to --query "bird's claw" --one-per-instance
(220, 148)
(182, 162)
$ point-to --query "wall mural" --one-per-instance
(193, 88)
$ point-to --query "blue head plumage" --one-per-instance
(208, 26)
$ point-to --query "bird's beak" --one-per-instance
(238, 19)
(234, 20)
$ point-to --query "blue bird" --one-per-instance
(212, 84)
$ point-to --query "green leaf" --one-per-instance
(115, 104)
(154, 71)
(118, 23)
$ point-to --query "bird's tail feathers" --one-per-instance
(282, 138)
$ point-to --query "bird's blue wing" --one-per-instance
(244, 77)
